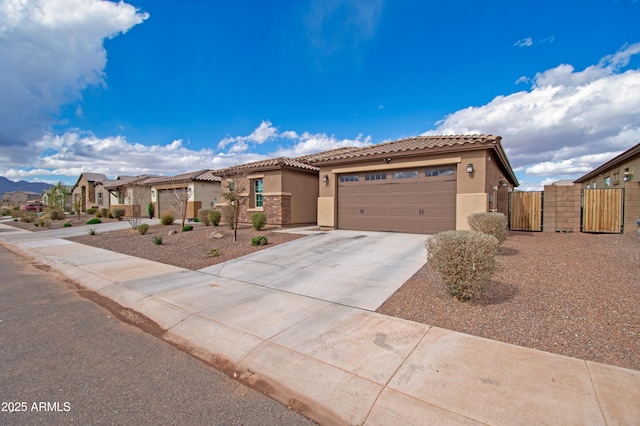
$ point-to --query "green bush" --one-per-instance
(258, 220)
(104, 212)
(167, 219)
(117, 213)
(91, 211)
(464, 260)
(157, 239)
(203, 216)
(214, 217)
(494, 224)
(259, 241)
(187, 228)
(66, 224)
(142, 229)
(94, 221)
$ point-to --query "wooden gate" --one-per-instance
(525, 211)
(602, 210)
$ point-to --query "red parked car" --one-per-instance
(33, 206)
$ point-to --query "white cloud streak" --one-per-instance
(50, 51)
(568, 123)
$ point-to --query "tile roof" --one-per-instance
(129, 180)
(93, 177)
(197, 176)
(404, 146)
(272, 163)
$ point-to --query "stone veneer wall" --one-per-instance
(277, 208)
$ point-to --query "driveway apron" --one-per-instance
(352, 268)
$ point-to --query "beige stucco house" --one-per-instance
(200, 190)
(424, 184)
(623, 173)
(83, 192)
(284, 189)
(131, 193)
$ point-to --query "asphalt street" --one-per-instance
(65, 359)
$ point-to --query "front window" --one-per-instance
(257, 191)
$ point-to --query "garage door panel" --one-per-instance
(415, 203)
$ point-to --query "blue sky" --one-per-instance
(165, 87)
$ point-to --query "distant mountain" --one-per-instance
(7, 185)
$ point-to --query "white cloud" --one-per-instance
(525, 42)
(64, 157)
(51, 50)
(528, 41)
(568, 123)
(306, 143)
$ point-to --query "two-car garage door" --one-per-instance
(407, 200)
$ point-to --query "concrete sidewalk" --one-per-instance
(344, 365)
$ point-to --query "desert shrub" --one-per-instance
(489, 223)
(157, 239)
(27, 217)
(55, 214)
(92, 231)
(187, 228)
(142, 229)
(66, 224)
(167, 219)
(196, 220)
(94, 221)
(214, 252)
(91, 210)
(104, 212)
(228, 216)
(203, 216)
(259, 241)
(214, 217)
(258, 220)
(40, 222)
(117, 213)
(464, 260)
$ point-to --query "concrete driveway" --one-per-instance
(353, 268)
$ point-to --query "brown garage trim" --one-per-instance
(411, 164)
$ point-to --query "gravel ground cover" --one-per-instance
(192, 250)
(572, 294)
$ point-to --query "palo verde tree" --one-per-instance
(233, 195)
(137, 196)
(181, 203)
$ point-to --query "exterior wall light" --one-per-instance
(627, 177)
(469, 168)
(325, 179)
(153, 193)
(387, 160)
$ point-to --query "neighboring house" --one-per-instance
(131, 193)
(284, 189)
(58, 196)
(616, 173)
(18, 198)
(199, 189)
(83, 193)
(424, 184)
(621, 173)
